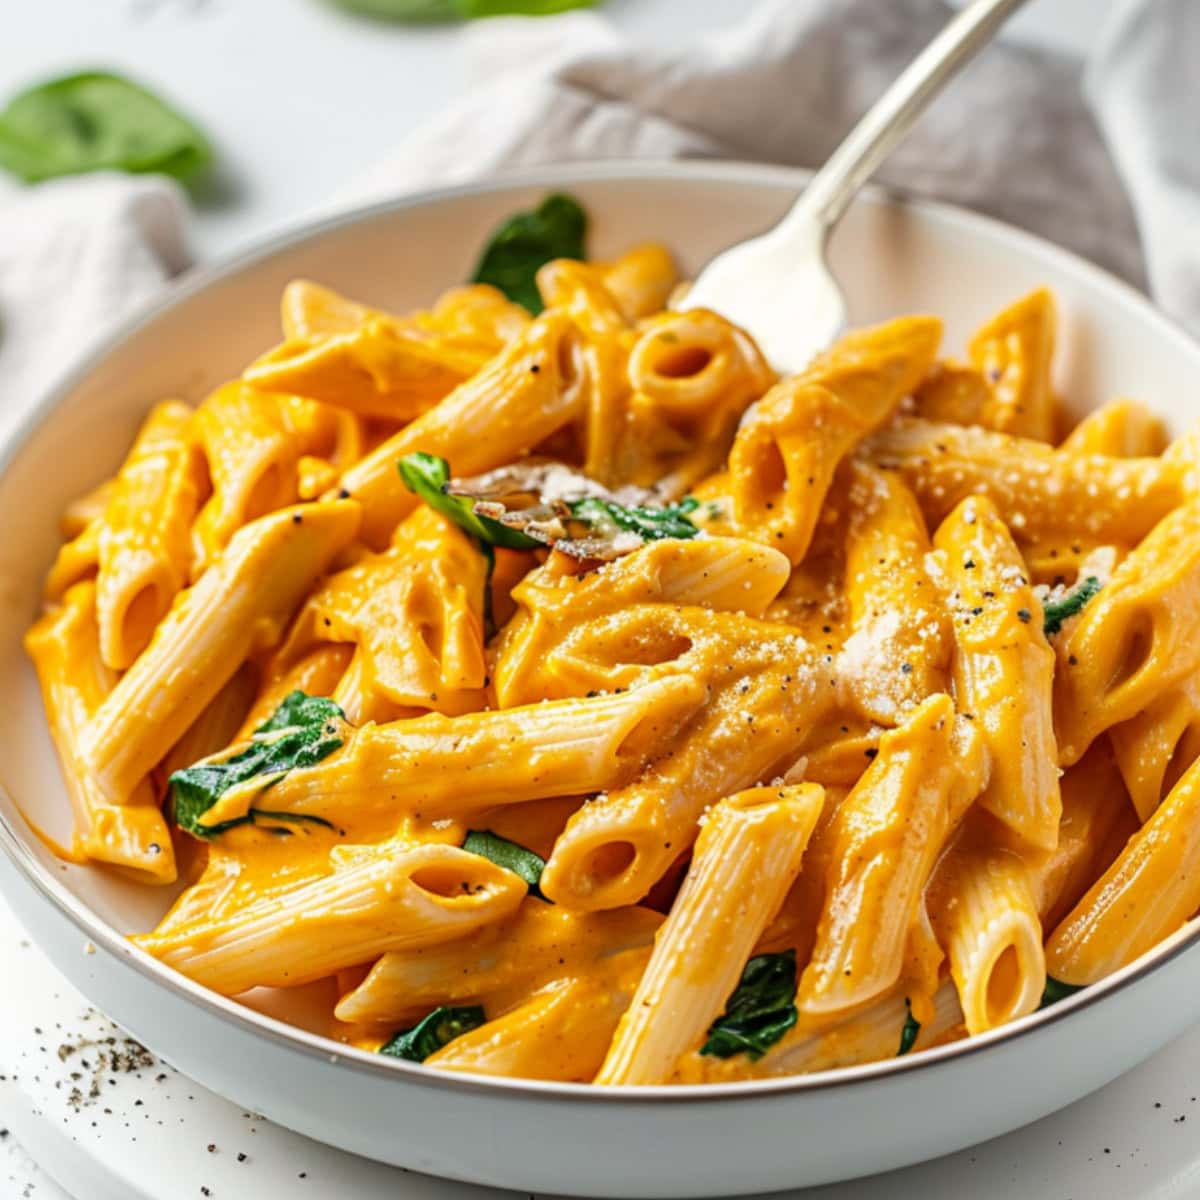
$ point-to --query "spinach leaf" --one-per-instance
(650, 524)
(302, 731)
(528, 240)
(760, 1011)
(910, 1030)
(96, 121)
(1058, 611)
(509, 855)
(429, 11)
(1056, 991)
(427, 476)
(434, 1031)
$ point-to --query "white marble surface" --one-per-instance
(299, 99)
(136, 1130)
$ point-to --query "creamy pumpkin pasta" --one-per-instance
(582, 701)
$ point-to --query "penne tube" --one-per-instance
(746, 857)
(77, 560)
(1156, 746)
(1003, 667)
(883, 843)
(376, 369)
(395, 897)
(868, 1036)
(898, 652)
(1040, 492)
(437, 766)
(527, 393)
(795, 925)
(252, 441)
(540, 943)
(534, 660)
(416, 615)
(984, 912)
(698, 372)
(1013, 352)
(561, 1033)
(791, 442)
(618, 845)
(578, 290)
(241, 604)
(641, 280)
(475, 316)
(218, 724)
(1136, 639)
(1146, 894)
(65, 648)
(307, 309)
(952, 392)
(1119, 429)
(1097, 820)
(144, 549)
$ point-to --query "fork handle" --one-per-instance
(887, 122)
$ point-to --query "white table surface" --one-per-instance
(299, 99)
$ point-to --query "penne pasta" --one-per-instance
(898, 652)
(619, 843)
(375, 369)
(1003, 668)
(437, 766)
(243, 602)
(1013, 352)
(883, 843)
(144, 543)
(538, 945)
(746, 858)
(1119, 429)
(1146, 894)
(65, 648)
(984, 911)
(550, 690)
(1134, 640)
(1039, 492)
(789, 445)
(395, 897)
(523, 396)
(561, 1033)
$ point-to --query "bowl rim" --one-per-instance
(100, 933)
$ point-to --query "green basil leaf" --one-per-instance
(509, 855)
(426, 475)
(300, 733)
(436, 11)
(433, 1032)
(760, 1011)
(96, 121)
(908, 1034)
(1058, 611)
(528, 240)
(650, 524)
(1056, 991)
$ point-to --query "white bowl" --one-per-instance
(892, 257)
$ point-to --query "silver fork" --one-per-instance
(778, 285)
